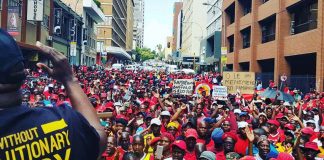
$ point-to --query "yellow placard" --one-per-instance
(243, 82)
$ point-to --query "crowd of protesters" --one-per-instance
(147, 117)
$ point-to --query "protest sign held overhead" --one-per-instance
(219, 91)
(183, 86)
(242, 81)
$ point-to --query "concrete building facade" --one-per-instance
(212, 41)
(91, 15)
(168, 49)
(63, 34)
(194, 22)
(139, 11)
(276, 37)
(130, 25)
(176, 11)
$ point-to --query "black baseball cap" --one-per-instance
(10, 56)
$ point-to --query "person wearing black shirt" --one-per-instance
(45, 133)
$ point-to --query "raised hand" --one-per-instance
(249, 134)
(62, 71)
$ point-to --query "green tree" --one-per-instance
(145, 53)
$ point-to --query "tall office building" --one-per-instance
(176, 11)
(194, 22)
(130, 24)
(115, 32)
(275, 38)
(139, 23)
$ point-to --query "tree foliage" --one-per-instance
(146, 53)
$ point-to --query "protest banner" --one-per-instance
(183, 87)
(219, 91)
(239, 81)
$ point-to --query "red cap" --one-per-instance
(155, 140)
(54, 96)
(247, 158)
(109, 105)
(191, 133)
(168, 135)
(290, 126)
(231, 135)
(311, 145)
(121, 117)
(274, 122)
(279, 116)
(284, 156)
(307, 130)
(180, 144)
(62, 93)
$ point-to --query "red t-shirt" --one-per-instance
(241, 145)
(210, 146)
(279, 137)
(190, 156)
(220, 156)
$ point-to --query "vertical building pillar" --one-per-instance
(4, 14)
(320, 54)
(237, 36)
(24, 21)
(255, 39)
(282, 30)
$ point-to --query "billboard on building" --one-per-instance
(12, 25)
(35, 10)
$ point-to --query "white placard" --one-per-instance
(224, 50)
(35, 10)
(219, 91)
(183, 86)
(73, 49)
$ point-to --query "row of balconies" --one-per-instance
(306, 42)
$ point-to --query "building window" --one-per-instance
(230, 12)
(304, 17)
(264, 1)
(268, 28)
(231, 43)
(246, 6)
(246, 36)
(0, 4)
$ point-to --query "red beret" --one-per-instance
(229, 134)
(274, 122)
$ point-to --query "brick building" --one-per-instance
(276, 37)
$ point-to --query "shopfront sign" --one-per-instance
(35, 10)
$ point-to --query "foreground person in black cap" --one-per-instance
(59, 133)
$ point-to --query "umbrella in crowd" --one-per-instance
(274, 93)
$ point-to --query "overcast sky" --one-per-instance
(158, 22)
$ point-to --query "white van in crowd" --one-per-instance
(118, 66)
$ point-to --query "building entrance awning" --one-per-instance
(118, 52)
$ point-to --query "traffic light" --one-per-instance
(169, 45)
